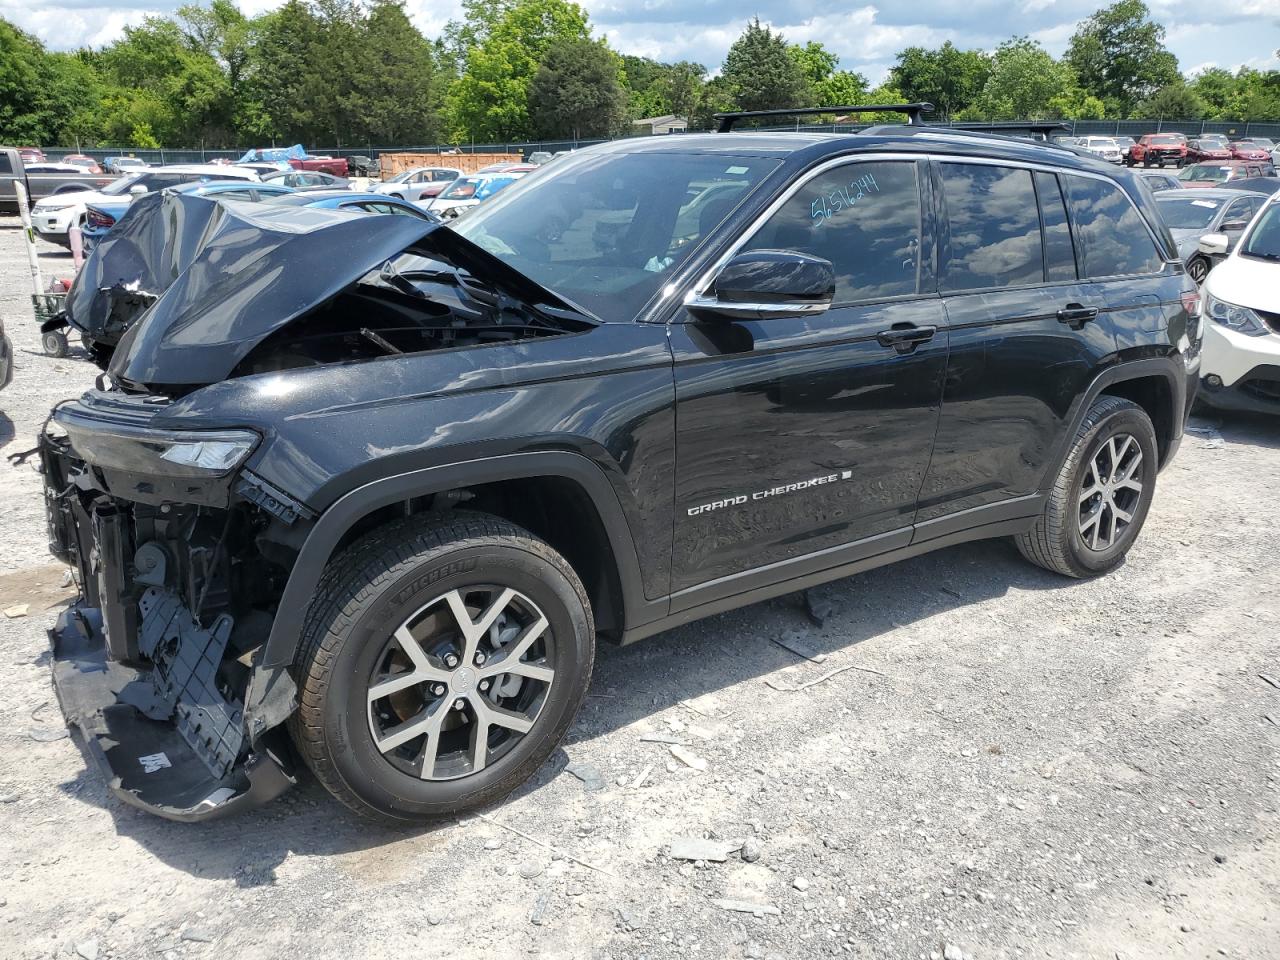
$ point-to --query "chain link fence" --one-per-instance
(1236, 129)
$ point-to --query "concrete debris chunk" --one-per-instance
(591, 777)
(17, 610)
(88, 949)
(696, 848)
(197, 935)
(688, 758)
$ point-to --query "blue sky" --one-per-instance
(1225, 33)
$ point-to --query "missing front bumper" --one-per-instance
(148, 763)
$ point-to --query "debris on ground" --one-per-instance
(590, 776)
(17, 610)
(746, 906)
(818, 606)
(697, 848)
(800, 646)
(688, 757)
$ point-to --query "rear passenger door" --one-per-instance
(1028, 330)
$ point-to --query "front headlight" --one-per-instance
(1237, 318)
(184, 454)
(45, 207)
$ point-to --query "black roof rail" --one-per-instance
(912, 110)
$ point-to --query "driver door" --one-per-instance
(802, 441)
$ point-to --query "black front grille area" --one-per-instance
(1265, 387)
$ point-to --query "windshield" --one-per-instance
(463, 189)
(1200, 172)
(402, 177)
(1163, 140)
(1263, 240)
(1183, 213)
(607, 230)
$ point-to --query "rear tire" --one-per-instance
(388, 608)
(54, 343)
(1198, 268)
(1082, 534)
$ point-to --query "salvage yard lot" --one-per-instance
(1015, 765)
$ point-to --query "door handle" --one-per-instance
(905, 337)
(1076, 315)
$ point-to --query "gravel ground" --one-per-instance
(1013, 765)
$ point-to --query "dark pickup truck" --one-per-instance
(371, 499)
(39, 185)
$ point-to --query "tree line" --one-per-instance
(356, 72)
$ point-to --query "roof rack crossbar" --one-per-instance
(912, 110)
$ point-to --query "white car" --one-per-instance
(1240, 364)
(1103, 147)
(54, 216)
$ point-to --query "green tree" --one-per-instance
(815, 61)
(45, 98)
(949, 78)
(490, 100)
(393, 98)
(761, 73)
(576, 92)
(683, 85)
(1118, 55)
(1024, 80)
(1177, 101)
(843, 88)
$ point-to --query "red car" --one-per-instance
(31, 154)
(1220, 171)
(1247, 150)
(1157, 149)
(1198, 150)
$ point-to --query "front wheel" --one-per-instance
(1198, 269)
(1101, 496)
(443, 665)
(54, 343)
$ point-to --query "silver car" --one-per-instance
(1194, 212)
(420, 183)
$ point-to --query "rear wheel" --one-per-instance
(446, 662)
(1198, 269)
(1102, 494)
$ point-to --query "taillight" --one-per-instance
(98, 219)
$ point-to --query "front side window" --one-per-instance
(994, 227)
(1111, 237)
(1238, 214)
(864, 218)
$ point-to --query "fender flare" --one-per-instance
(332, 525)
(1170, 368)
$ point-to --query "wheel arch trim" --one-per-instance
(347, 510)
(1169, 368)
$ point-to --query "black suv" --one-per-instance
(368, 490)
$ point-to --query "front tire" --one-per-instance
(442, 665)
(1198, 269)
(54, 343)
(1100, 499)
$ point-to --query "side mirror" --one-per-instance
(769, 283)
(1234, 225)
(137, 191)
(1214, 244)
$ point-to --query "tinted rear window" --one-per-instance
(1111, 237)
(5, 165)
(995, 230)
(1059, 255)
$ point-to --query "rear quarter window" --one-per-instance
(6, 165)
(1112, 238)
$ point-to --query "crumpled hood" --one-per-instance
(228, 274)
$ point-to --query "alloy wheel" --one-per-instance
(1198, 270)
(1111, 492)
(460, 682)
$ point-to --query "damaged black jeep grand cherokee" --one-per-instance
(366, 490)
